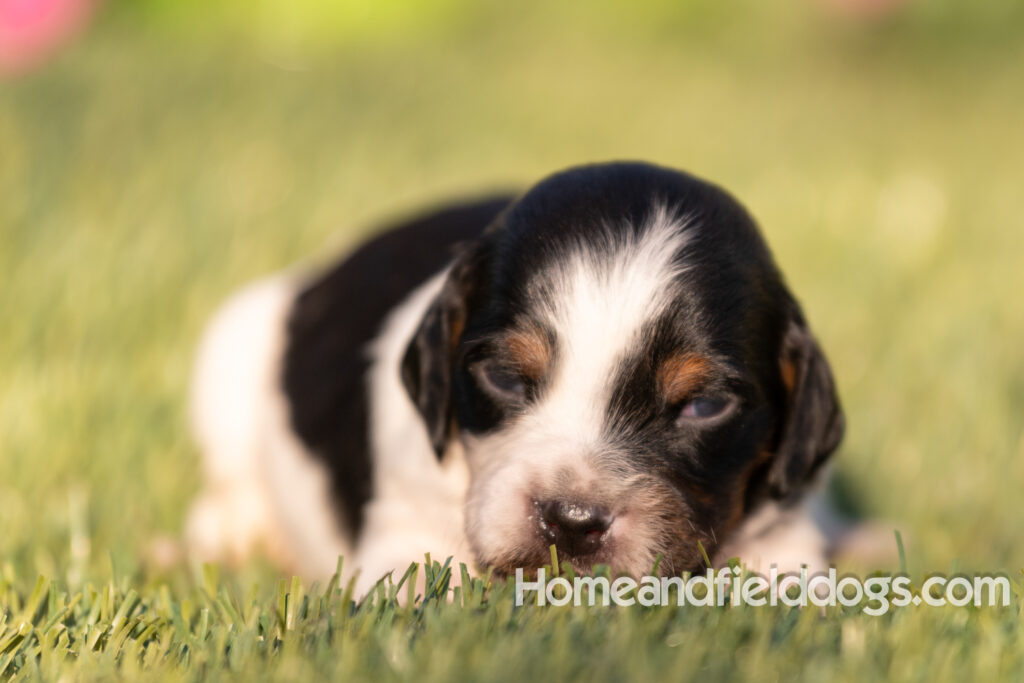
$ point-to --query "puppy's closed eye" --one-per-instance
(517, 363)
(501, 380)
(707, 407)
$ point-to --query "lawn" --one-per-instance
(162, 161)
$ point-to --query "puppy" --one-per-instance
(610, 363)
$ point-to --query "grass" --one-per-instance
(145, 173)
(216, 630)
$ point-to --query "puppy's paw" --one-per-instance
(226, 526)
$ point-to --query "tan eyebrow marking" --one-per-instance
(531, 351)
(681, 374)
(788, 369)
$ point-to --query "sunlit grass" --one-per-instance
(472, 628)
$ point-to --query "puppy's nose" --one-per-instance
(575, 529)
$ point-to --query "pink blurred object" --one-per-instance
(31, 30)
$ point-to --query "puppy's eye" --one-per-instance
(501, 380)
(706, 407)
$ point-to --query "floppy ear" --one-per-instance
(813, 421)
(428, 361)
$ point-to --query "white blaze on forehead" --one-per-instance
(597, 301)
(601, 298)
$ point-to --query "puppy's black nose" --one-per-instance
(575, 529)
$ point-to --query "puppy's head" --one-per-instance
(626, 370)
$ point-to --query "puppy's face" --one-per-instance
(627, 373)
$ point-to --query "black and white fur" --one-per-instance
(610, 362)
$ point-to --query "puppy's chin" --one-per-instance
(681, 555)
(532, 557)
(531, 563)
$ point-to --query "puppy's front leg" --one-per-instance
(786, 537)
(397, 535)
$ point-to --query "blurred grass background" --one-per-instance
(176, 150)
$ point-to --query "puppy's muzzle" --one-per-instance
(577, 529)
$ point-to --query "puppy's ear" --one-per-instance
(813, 422)
(428, 361)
